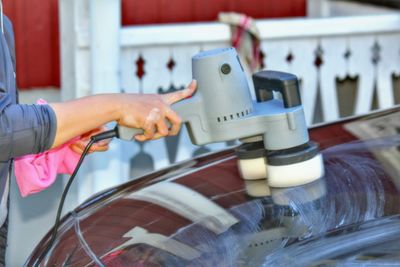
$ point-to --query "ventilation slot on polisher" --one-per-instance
(233, 117)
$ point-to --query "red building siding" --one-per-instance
(37, 38)
(165, 11)
(37, 33)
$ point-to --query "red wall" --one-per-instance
(164, 11)
(37, 35)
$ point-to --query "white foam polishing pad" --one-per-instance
(252, 169)
(296, 174)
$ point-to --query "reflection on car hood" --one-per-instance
(372, 243)
(202, 213)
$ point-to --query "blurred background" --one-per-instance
(346, 54)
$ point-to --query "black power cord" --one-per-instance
(96, 138)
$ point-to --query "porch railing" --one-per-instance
(102, 56)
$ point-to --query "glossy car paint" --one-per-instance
(202, 213)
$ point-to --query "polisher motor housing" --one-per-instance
(222, 109)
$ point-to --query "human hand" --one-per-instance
(101, 146)
(150, 112)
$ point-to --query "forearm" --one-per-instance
(79, 116)
(145, 111)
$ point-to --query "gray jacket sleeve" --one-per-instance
(25, 129)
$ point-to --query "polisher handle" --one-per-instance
(126, 133)
(285, 83)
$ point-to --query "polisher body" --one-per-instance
(222, 110)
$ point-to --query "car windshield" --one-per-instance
(202, 213)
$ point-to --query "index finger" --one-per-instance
(172, 98)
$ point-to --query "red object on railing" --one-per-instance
(37, 31)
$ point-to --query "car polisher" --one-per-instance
(222, 110)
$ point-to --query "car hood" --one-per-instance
(202, 213)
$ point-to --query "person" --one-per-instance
(31, 129)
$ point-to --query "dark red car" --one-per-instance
(202, 213)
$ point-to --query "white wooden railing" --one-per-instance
(101, 56)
